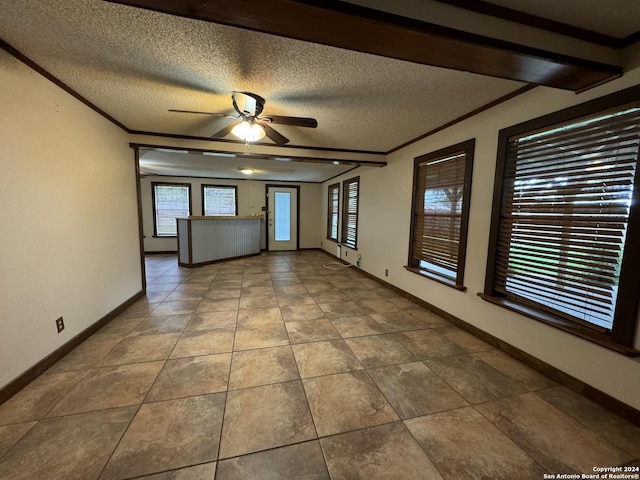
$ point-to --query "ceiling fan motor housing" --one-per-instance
(247, 103)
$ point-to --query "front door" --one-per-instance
(282, 218)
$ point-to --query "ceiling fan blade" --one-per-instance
(201, 113)
(225, 131)
(278, 138)
(294, 121)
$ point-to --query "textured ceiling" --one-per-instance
(135, 64)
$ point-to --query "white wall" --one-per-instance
(69, 220)
(251, 199)
(383, 239)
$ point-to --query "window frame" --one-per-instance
(153, 204)
(467, 147)
(330, 212)
(204, 186)
(345, 212)
(621, 337)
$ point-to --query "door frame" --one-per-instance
(266, 202)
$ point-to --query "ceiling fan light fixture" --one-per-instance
(247, 171)
(249, 132)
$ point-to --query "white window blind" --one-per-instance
(219, 200)
(349, 234)
(170, 201)
(333, 209)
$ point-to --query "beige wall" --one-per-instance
(69, 220)
(251, 199)
(383, 239)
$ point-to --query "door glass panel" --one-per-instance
(282, 216)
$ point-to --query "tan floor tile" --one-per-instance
(465, 340)
(213, 321)
(427, 317)
(161, 324)
(74, 447)
(301, 461)
(118, 327)
(204, 342)
(206, 471)
(384, 452)
(554, 440)
(379, 350)
(190, 295)
(401, 302)
(368, 282)
(283, 282)
(200, 277)
(35, 400)
(10, 434)
(413, 390)
(254, 301)
(361, 294)
(267, 291)
(257, 280)
(620, 432)
(142, 348)
(301, 313)
(290, 300)
(429, 344)
(386, 292)
(346, 401)
(109, 387)
(515, 370)
(265, 417)
(264, 366)
(311, 331)
(261, 336)
(259, 316)
(358, 326)
(195, 288)
(168, 435)
(218, 305)
(375, 305)
(175, 308)
(140, 309)
(330, 296)
(398, 321)
(325, 358)
(215, 293)
(86, 355)
(473, 379)
(186, 377)
(463, 444)
(341, 309)
(315, 287)
(226, 285)
(295, 289)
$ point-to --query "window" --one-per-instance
(219, 200)
(565, 232)
(170, 201)
(349, 236)
(332, 211)
(440, 213)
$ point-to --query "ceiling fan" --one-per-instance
(250, 125)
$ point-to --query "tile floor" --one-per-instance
(273, 367)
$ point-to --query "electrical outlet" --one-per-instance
(320, 242)
(346, 253)
(60, 324)
(386, 273)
